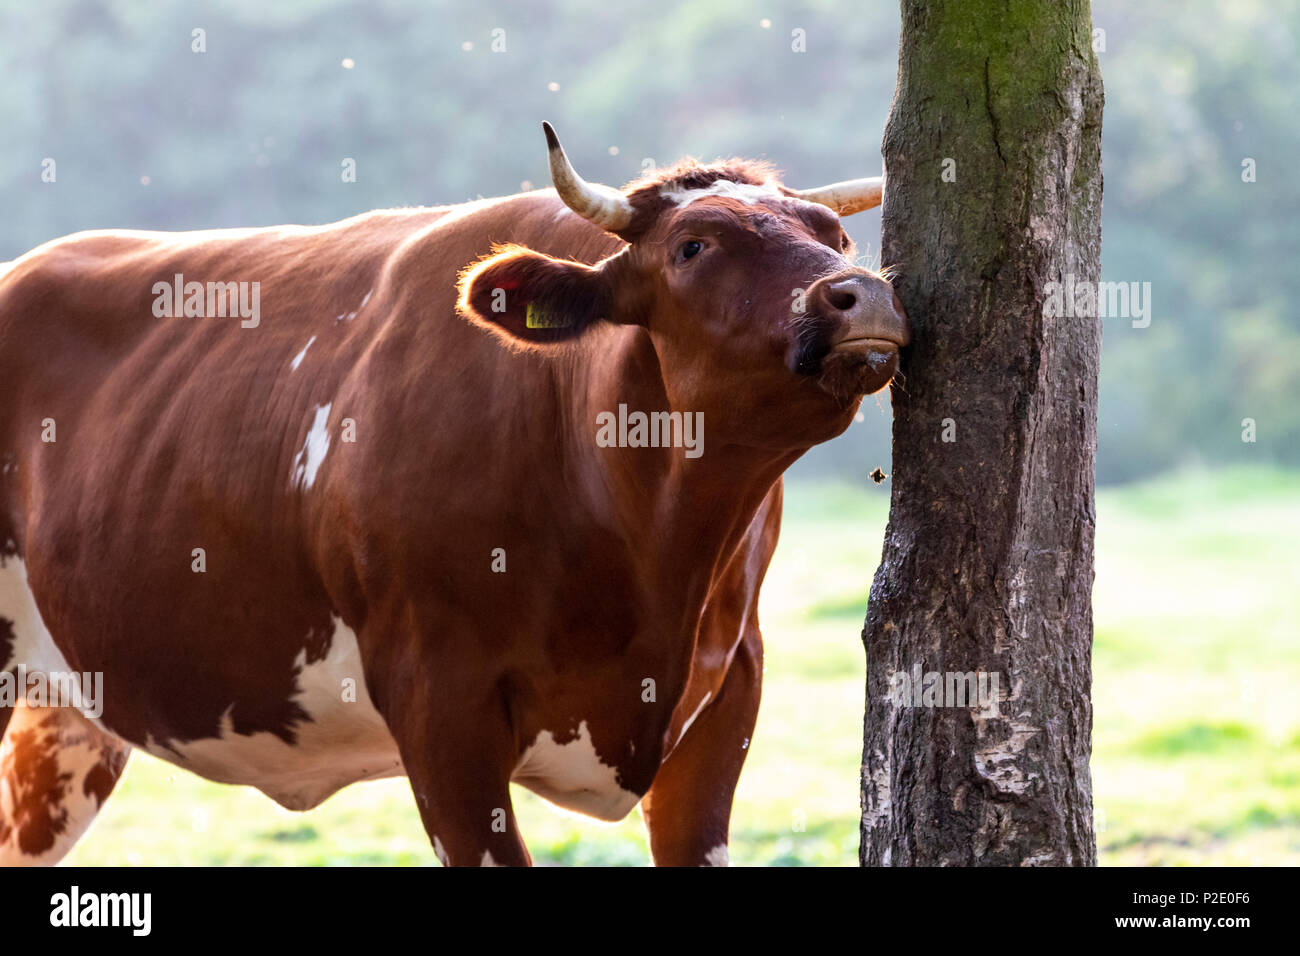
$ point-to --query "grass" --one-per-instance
(1197, 717)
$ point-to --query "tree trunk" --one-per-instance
(992, 207)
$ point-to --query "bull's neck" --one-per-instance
(689, 506)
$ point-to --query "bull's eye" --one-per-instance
(690, 249)
(845, 242)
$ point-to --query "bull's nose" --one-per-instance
(862, 306)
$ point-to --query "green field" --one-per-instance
(1196, 693)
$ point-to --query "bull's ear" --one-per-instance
(533, 299)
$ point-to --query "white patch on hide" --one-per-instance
(745, 192)
(312, 454)
(718, 856)
(344, 742)
(691, 719)
(297, 359)
(33, 646)
(572, 775)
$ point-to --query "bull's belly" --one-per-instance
(338, 747)
(571, 775)
(345, 740)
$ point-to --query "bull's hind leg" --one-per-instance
(56, 771)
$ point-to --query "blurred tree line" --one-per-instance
(439, 101)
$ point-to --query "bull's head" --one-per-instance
(746, 288)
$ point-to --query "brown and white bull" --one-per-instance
(475, 494)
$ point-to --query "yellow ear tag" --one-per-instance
(536, 318)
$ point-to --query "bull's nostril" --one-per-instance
(842, 301)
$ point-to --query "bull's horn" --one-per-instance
(606, 207)
(848, 197)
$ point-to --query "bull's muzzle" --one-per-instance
(865, 326)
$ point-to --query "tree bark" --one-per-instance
(988, 556)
